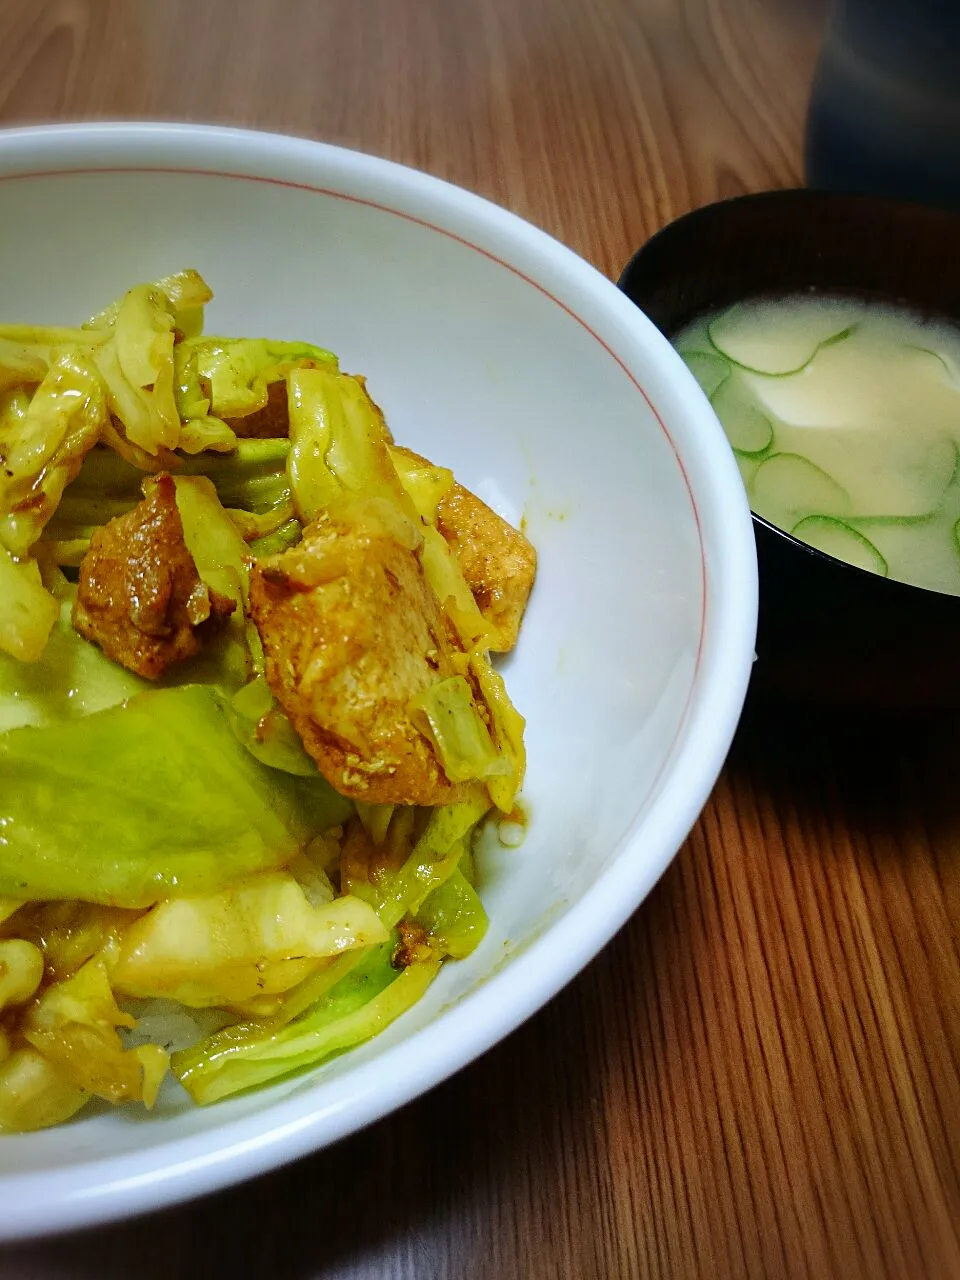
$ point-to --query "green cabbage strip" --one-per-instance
(440, 851)
(221, 557)
(229, 377)
(152, 799)
(282, 539)
(338, 446)
(371, 996)
(42, 448)
(27, 610)
(433, 860)
(251, 484)
(262, 726)
(187, 292)
(252, 478)
(454, 917)
(22, 362)
(252, 940)
(211, 537)
(105, 486)
(376, 819)
(359, 993)
(508, 726)
(34, 1094)
(443, 572)
(137, 367)
(71, 677)
(448, 716)
(74, 1025)
(424, 483)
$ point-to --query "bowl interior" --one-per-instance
(827, 630)
(494, 351)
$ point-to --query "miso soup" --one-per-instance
(845, 420)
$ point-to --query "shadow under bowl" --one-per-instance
(827, 631)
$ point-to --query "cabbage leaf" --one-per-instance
(43, 448)
(454, 917)
(359, 1006)
(263, 727)
(449, 716)
(34, 1094)
(154, 798)
(186, 291)
(137, 368)
(229, 377)
(74, 1026)
(338, 446)
(252, 939)
(27, 610)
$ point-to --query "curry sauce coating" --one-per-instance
(351, 633)
(139, 595)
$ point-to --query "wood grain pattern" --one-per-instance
(759, 1077)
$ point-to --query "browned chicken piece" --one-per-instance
(140, 597)
(269, 423)
(497, 561)
(351, 633)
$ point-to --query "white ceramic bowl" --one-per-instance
(494, 349)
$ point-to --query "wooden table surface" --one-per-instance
(758, 1077)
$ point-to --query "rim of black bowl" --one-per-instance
(806, 195)
(930, 214)
(865, 576)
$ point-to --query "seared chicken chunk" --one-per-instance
(139, 596)
(496, 560)
(351, 634)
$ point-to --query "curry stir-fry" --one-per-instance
(248, 719)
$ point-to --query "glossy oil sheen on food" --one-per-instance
(845, 420)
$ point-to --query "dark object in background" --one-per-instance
(827, 632)
(884, 113)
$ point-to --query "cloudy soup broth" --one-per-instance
(845, 420)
